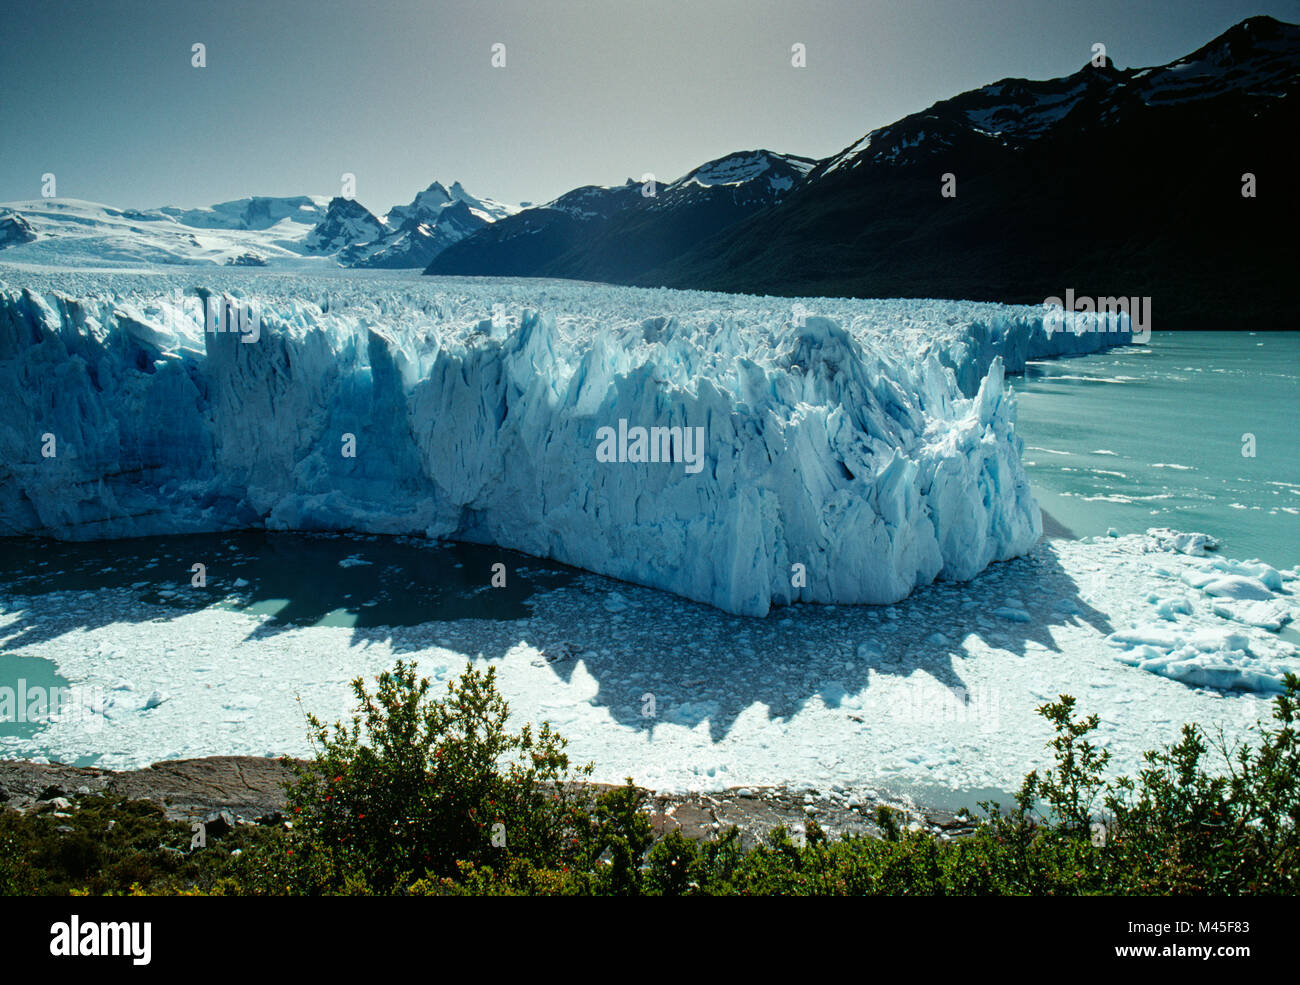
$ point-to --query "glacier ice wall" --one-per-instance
(871, 443)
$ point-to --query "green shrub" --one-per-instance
(107, 844)
(415, 786)
(617, 837)
(673, 866)
(406, 800)
(1178, 828)
(1072, 788)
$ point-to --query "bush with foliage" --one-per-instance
(418, 787)
(109, 845)
(435, 796)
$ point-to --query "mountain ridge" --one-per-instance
(613, 232)
(258, 230)
(1109, 181)
(1106, 181)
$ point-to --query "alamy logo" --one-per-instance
(979, 708)
(1085, 314)
(75, 939)
(655, 444)
(40, 705)
(221, 314)
(218, 315)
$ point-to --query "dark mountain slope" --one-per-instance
(1106, 182)
(616, 233)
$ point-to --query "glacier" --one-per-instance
(854, 449)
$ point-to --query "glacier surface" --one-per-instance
(853, 449)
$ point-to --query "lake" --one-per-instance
(1152, 436)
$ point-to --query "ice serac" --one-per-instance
(841, 462)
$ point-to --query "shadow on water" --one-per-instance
(295, 579)
(705, 665)
(699, 663)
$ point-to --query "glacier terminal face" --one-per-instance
(849, 451)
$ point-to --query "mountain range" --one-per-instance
(1172, 182)
(1108, 182)
(257, 231)
(619, 233)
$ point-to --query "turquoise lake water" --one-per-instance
(1152, 436)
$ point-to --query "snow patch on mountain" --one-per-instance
(301, 231)
(346, 222)
(256, 213)
(1257, 58)
(745, 166)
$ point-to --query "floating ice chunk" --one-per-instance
(1269, 615)
(1157, 636)
(1172, 608)
(1199, 656)
(1198, 579)
(1226, 670)
(1237, 587)
(1194, 544)
(1269, 576)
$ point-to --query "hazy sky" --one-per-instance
(401, 92)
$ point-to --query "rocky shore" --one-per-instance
(250, 790)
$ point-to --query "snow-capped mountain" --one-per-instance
(429, 205)
(72, 232)
(1255, 60)
(258, 231)
(614, 232)
(1160, 182)
(346, 223)
(414, 234)
(1155, 182)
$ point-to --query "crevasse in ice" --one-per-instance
(852, 449)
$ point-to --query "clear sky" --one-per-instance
(402, 92)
